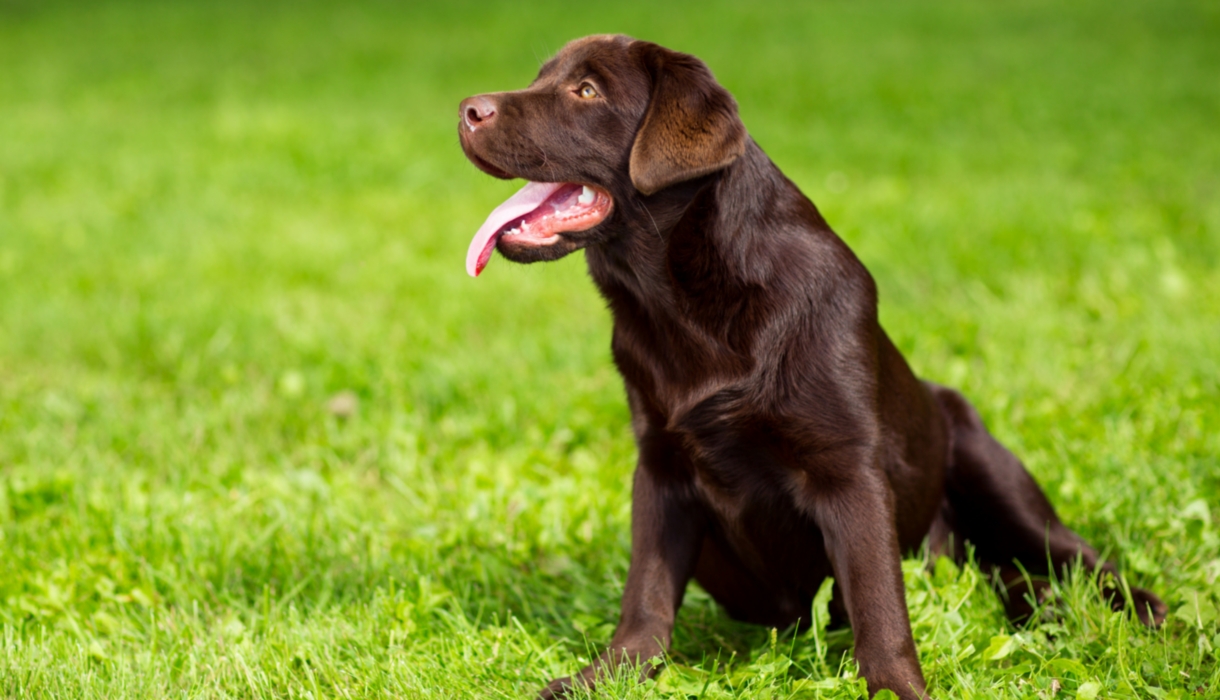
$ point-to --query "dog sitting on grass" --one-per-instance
(782, 437)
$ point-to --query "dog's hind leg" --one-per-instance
(999, 508)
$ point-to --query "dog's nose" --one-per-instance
(478, 111)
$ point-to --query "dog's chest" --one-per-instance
(756, 517)
(677, 385)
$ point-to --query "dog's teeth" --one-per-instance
(586, 195)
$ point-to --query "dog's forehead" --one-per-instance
(599, 53)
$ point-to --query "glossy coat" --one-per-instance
(782, 437)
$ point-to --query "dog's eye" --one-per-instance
(587, 91)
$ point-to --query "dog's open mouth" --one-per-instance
(536, 216)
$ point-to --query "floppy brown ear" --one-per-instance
(691, 127)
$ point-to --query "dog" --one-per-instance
(782, 437)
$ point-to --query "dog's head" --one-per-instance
(608, 121)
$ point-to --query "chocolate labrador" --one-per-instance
(782, 437)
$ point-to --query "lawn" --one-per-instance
(261, 436)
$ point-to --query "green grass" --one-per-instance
(215, 217)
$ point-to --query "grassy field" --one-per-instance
(260, 435)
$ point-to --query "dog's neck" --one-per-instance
(702, 244)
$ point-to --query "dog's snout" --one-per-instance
(478, 111)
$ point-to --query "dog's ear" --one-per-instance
(691, 127)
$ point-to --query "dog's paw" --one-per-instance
(557, 688)
(1150, 609)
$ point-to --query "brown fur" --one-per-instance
(782, 437)
(691, 127)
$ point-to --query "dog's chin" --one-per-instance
(532, 252)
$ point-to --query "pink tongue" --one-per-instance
(526, 200)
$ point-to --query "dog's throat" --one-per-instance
(535, 216)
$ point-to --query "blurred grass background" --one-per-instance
(216, 217)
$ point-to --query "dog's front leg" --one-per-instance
(666, 535)
(861, 537)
